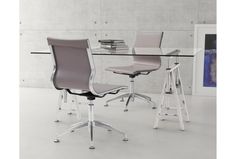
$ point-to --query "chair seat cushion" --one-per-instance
(107, 88)
(132, 69)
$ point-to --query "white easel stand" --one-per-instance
(171, 84)
(74, 106)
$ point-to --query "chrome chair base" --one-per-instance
(132, 96)
(86, 124)
(91, 123)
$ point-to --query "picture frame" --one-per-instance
(205, 62)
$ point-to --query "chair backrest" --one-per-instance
(73, 63)
(148, 40)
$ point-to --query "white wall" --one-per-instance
(96, 19)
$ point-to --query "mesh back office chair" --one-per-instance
(74, 70)
(142, 65)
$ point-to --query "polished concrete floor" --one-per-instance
(37, 130)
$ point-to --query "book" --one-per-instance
(110, 41)
(112, 44)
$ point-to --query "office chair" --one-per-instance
(142, 65)
(74, 72)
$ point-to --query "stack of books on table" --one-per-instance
(112, 44)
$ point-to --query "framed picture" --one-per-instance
(205, 61)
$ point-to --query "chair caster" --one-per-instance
(125, 139)
(57, 121)
(154, 107)
(109, 130)
(91, 147)
(125, 110)
(106, 105)
(72, 131)
(70, 113)
(56, 141)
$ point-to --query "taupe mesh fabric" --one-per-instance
(148, 40)
(72, 63)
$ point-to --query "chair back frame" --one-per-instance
(154, 61)
(91, 64)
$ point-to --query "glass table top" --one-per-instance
(175, 52)
(171, 52)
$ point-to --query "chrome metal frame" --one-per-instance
(91, 123)
(132, 95)
(170, 87)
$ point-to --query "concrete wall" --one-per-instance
(97, 19)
